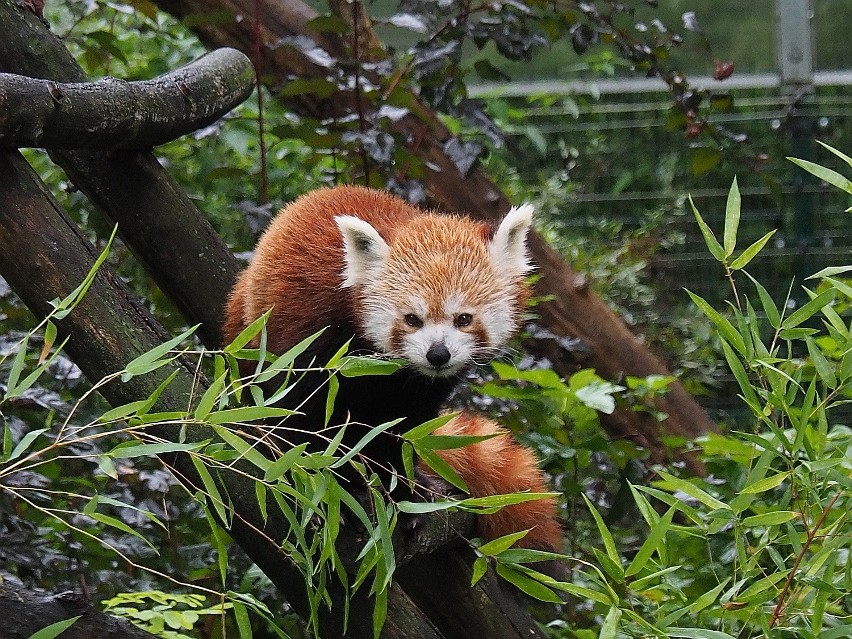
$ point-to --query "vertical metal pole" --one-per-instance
(795, 66)
(795, 43)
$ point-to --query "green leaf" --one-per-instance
(808, 310)
(120, 525)
(17, 367)
(830, 271)
(480, 567)
(150, 361)
(8, 442)
(693, 491)
(768, 304)
(525, 584)
(609, 629)
(697, 633)
(245, 449)
(356, 366)
(496, 546)
(447, 472)
(427, 428)
(286, 360)
(723, 326)
(842, 156)
(208, 399)
(823, 368)
(732, 219)
(248, 333)
(331, 398)
(739, 374)
(54, 629)
(129, 450)
(241, 616)
(608, 541)
(655, 538)
(284, 463)
(244, 414)
(598, 396)
(713, 245)
(493, 503)
(824, 173)
(774, 518)
(748, 255)
(25, 443)
(211, 491)
(765, 484)
(366, 439)
(67, 304)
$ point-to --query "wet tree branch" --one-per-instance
(114, 114)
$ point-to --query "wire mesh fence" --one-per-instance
(624, 156)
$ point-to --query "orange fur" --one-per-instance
(298, 271)
(497, 466)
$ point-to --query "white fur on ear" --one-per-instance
(508, 247)
(363, 249)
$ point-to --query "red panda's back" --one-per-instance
(298, 265)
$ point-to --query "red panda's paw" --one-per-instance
(497, 466)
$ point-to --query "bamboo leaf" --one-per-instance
(427, 428)
(150, 361)
(710, 240)
(55, 629)
(732, 219)
(725, 328)
(525, 584)
(655, 538)
(775, 518)
(765, 484)
(248, 333)
(808, 310)
(496, 546)
(609, 629)
(842, 156)
(748, 255)
(693, 491)
(824, 173)
(606, 536)
(823, 368)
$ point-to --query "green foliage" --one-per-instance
(164, 614)
(762, 549)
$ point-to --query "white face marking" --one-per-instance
(460, 345)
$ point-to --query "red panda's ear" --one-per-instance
(508, 247)
(363, 249)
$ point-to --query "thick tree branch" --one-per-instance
(156, 219)
(113, 114)
(25, 612)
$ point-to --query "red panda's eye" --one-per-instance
(413, 321)
(463, 319)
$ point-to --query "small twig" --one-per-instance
(779, 606)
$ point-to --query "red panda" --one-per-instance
(437, 291)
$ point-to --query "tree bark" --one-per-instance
(161, 225)
(25, 612)
(113, 114)
(576, 311)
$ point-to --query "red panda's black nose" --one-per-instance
(438, 355)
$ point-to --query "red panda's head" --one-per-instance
(439, 293)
